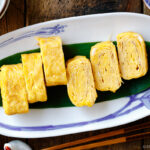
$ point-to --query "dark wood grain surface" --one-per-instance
(41, 10)
(26, 12)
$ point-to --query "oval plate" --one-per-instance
(61, 121)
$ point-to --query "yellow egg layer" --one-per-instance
(13, 89)
(105, 66)
(81, 88)
(53, 60)
(132, 55)
(33, 72)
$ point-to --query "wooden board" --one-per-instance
(41, 10)
(14, 17)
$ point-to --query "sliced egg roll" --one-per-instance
(53, 60)
(13, 89)
(33, 72)
(80, 86)
(105, 66)
(132, 55)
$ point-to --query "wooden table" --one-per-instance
(26, 12)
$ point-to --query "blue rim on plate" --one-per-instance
(147, 3)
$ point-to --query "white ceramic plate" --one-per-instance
(67, 120)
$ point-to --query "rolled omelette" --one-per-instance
(53, 60)
(13, 89)
(105, 66)
(34, 77)
(132, 55)
(80, 86)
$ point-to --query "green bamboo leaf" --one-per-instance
(57, 95)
